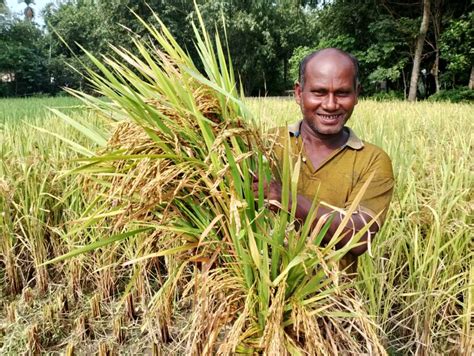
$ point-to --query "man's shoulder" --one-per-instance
(368, 156)
(372, 150)
(372, 158)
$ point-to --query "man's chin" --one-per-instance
(332, 130)
(325, 130)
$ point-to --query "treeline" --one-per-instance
(405, 48)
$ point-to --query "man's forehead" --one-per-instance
(330, 66)
(330, 58)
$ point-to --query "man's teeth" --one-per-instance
(330, 117)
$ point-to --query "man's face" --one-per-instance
(329, 93)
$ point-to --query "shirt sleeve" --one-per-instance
(376, 198)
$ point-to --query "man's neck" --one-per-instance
(316, 139)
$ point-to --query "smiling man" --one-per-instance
(335, 162)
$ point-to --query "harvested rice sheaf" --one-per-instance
(151, 182)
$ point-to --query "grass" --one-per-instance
(15, 110)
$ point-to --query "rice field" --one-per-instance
(417, 286)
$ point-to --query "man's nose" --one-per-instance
(330, 103)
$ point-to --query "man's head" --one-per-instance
(327, 90)
(305, 60)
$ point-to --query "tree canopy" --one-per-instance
(266, 40)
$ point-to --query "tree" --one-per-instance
(390, 42)
(295, 29)
(29, 12)
(23, 58)
(456, 50)
(72, 27)
(123, 25)
(250, 42)
(425, 21)
(94, 24)
(365, 31)
(267, 38)
(262, 36)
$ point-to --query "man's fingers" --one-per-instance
(255, 186)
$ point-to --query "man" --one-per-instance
(335, 162)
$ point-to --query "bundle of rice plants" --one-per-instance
(175, 177)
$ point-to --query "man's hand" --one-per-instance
(271, 190)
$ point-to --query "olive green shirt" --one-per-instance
(340, 177)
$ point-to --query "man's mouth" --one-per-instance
(331, 118)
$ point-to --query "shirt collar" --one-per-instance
(294, 129)
(353, 142)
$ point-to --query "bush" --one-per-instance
(457, 95)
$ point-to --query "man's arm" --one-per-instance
(373, 204)
(356, 223)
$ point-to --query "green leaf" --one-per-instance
(95, 245)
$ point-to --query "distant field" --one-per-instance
(418, 285)
(18, 109)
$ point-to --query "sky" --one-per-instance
(18, 8)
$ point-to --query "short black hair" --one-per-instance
(305, 60)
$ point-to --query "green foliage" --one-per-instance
(339, 23)
(392, 74)
(388, 53)
(23, 57)
(266, 39)
(261, 35)
(121, 23)
(456, 48)
(298, 54)
(3, 9)
(456, 95)
(80, 24)
(383, 35)
(72, 26)
(261, 38)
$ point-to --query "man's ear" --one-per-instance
(298, 90)
(358, 90)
